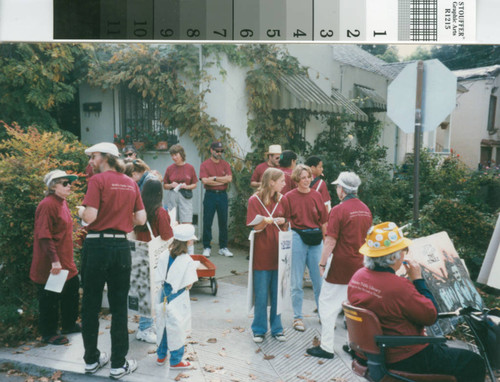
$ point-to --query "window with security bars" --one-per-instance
(423, 20)
(141, 118)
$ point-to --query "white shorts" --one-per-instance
(184, 206)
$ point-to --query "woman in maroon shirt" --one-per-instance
(52, 252)
(267, 202)
(308, 218)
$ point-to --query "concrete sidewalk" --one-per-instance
(220, 347)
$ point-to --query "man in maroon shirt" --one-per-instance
(405, 307)
(345, 233)
(273, 160)
(111, 208)
(215, 174)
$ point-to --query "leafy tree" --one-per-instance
(466, 56)
(37, 81)
(419, 54)
(25, 158)
(387, 53)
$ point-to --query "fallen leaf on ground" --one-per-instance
(239, 328)
(212, 340)
(216, 301)
(26, 348)
(222, 353)
(151, 351)
(18, 352)
(235, 272)
(287, 355)
(252, 376)
(194, 298)
(228, 310)
(320, 362)
(229, 320)
(212, 369)
(130, 331)
(258, 350)
(335, 379)
(193, 342)
(57, 375)
(316, 341)
(268, 357)
(181, 376)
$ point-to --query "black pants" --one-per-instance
(53, 305)
(465, 365)
(105, 260)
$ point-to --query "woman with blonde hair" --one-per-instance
(267, 202)
(308, 219)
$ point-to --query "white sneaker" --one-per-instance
(206, 252)
(91, 368)
(128, 368)
(225, 252)
(148, 335)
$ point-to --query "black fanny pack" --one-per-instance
(188, 194)
(310, 236)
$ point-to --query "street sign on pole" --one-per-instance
(418, 100)
(439, 89)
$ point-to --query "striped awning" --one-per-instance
(369, 99)
(299, 92)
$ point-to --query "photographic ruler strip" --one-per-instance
(267, 20)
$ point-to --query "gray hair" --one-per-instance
(382, 261)
(51, 188)
(349, 181)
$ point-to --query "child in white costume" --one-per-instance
(176, 272)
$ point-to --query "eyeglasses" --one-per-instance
(219, 151)
(129, 154)
(64, 183)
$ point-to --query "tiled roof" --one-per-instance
(355, 56)
(485, 71)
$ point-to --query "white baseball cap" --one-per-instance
(348, 180)
(184, 232)
(103, 147)
(56, 174)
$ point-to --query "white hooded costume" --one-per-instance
(174, 316)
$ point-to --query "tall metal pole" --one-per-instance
(416, 148)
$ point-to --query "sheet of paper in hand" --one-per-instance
(446, 276)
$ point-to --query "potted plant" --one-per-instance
(119, 141)
(137, 137)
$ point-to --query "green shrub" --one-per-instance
(25, 157)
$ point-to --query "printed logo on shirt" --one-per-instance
(370, 289)
(122, 187)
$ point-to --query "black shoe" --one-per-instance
(318, 352)
(347, 349)
(76, 328)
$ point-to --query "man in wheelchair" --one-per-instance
(404, 307)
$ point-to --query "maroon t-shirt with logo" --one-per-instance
(209, 169)
(180, 174)
(265, 253)
(52, 221)
(116, 197)
(400, 308)
(306, 210)
(348, 223)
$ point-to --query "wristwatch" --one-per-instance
(215, 178)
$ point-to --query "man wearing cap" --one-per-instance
(273, 160)
(53, 252)
(405, 307)
(215, 174)
(111, 208)
(345, 233)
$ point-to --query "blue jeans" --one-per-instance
(175, 356)
(302, 255)
(105, 260)
(265, 283)
(145, 323)
(215, 202)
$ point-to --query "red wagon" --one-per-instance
(206, 271)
